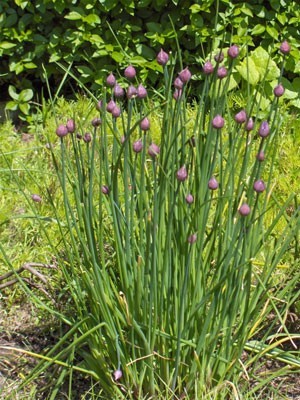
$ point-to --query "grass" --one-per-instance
(137, 299)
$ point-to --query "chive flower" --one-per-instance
(285, 48)
(71, 125)
(222, 72)
(259, 186)
(182, 174)
(249, 125)
(96, 122)
(189, 198)
(279, 90)
(185, 75)
(131, 92)
(153, 150)
(240, 117)
(177, 94)
(162, 57)
(213, 184)
(117, 374)
(233, 51)
(36, 198)
(116, 111)
(264, 129)
(137, 146)
(192, 238)
(178, 84)
(145, 124)
(99, 105)
(105, 189)
(260, 156)
(62, 130)
(208, 68)
(130, 72)
(219, 57)
(218, 122)
(110, 106)
(244, 210)
(111, 80)
(141, 92)
(118, 91)
(87, 138)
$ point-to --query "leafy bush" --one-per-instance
(167, 253)
(97, 35)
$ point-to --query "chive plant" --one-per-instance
(164, 232)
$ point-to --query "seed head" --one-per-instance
(62, 130)
(111, 80)
(71, 125)
(130, 72)
(118, 91)
(36, 198)
(285, 48)
(141, 92)
(192, 238)
(244, 210)
(182, 174)
(264, 129)
(153, 150)
(137, 146)
(185, 75)
(162, 57)
(259, 186)
(279, 90)
(233, 51)
(208, 68)
(110, 106)
(240, 117)
(222, 72)
(189, 198)
(213, 184)
(145, 124)
(218, 122)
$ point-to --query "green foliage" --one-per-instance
(96, 35)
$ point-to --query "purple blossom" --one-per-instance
(111, 80)
(189, 198)
(249, 125)
(105, 189)
(162, 57)
(178, 83)
(244, 210)
(131, 92)
(137, 146)
(87, 137)
(99, 105)
(219, 57)
(130, 72)
(145, 124)
(264, 129)
(110, 106)
(208, 68)
(222, 72)
(153, 150)
(96, 122)
(62, 130)
(117, 374)
(192, 238)
(141, 92)
(259, 186)
(116, 111)
(185, 75)
(118, 91)
(279, 90)
(260, 156)
(240, 117)
(285, 48)
(177, 94)
(182, 174)
(218, 122)
(213, 184)
(71, 125)
(36, 198)
(233, 51)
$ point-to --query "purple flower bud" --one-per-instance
(116, 112)
(192, 238)
(189, 198)
(213, 184)
(162, 57)
(130, 72)
(249, 124)
(111, 80)
(137, 146)
(36, 198)
(260, 156)
(105, 189)
(218, 122)
(153, 150)
(285, 48)
(141, 92)
(70, 125)
(219, 57)
(259, 186)
(145, 124)
(264, 129)
(244, 210)
(222, 72)
(96, 122)
(279, 90)
(131, 92)
(62, 130)
(117, 374)
(99, 105)
(87, 137)
(233, 51)
(182, 174)
(185, 75)
(177, 94)
(208, 68)
(118, 91)
(110, 106)
(122, 140)
(240, 117)
(178, 83)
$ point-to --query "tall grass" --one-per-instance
(168, 253)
